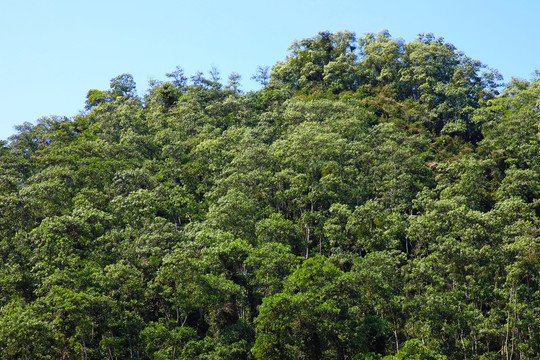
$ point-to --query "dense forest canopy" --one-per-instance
(376, 199)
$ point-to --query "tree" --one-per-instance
(179, 79)
(305, 67)
(262, 75)
(446, 84)
(234, 82)
(120, 86)
(309, 318)
(381, 59)
(123, 85)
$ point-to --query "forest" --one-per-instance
(375, 199)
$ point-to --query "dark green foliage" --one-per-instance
(377, 199)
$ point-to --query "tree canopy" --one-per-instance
(375, 199)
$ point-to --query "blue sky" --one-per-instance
(52, 52)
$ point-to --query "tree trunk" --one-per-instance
(307, 240)
(110, 352)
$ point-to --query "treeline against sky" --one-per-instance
(376, 199)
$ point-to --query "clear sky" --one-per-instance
(52, 52)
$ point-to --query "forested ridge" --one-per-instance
(375, 199)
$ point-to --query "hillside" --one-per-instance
(376, 199)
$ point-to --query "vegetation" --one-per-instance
(376, 199)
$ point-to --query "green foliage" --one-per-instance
(324, 60)
(121, 86)
(377, 199)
